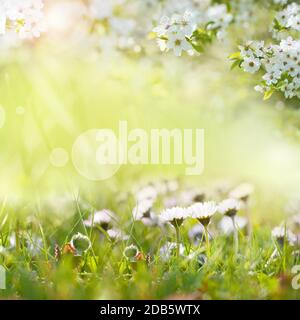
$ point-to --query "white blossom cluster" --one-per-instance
(173, 33)
(115, 29)
(23, 17)
(244, 12)
(280, 63)
(192, 28)
(286, 20)
(280, 2)
(121, 24)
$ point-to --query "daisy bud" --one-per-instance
(80, 243)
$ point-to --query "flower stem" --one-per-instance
(236, 237)
(177, 241)
(207, 240)
(249, 225)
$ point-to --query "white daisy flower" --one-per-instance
(203, 211)
(227, 226)
(242, 192)
(170, 202)
(229, 207)
(280, 233)
(148, 192)
(175, 216)
(103, 218)
(143, 212)
(192, 195)
(142, 209)
(296, 220)
(117, 235)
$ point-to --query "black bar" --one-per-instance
(122, 309)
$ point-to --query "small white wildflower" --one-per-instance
(147, 192)
(227, 227)
(280, 233)
(170, 202)
(229, 207)
(162, 44)
(25, 17)
(246, 51)
(296, 220)
(203, 211)
(259, 89)
(103, 9)
(175, 216)
(104, 218)
(282, 2)
(142, 209)
(217, 16)
(117, 235)
(242, 191)
(163, 27)
(190, 196)
(251, 64)
(178, 43)
(143, 212)
(258, 48)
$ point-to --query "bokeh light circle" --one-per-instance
(86, 160)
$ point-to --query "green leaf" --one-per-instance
(235, 55)
(268, 94)
(92, 263)
(197, 47)
(235, 64)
